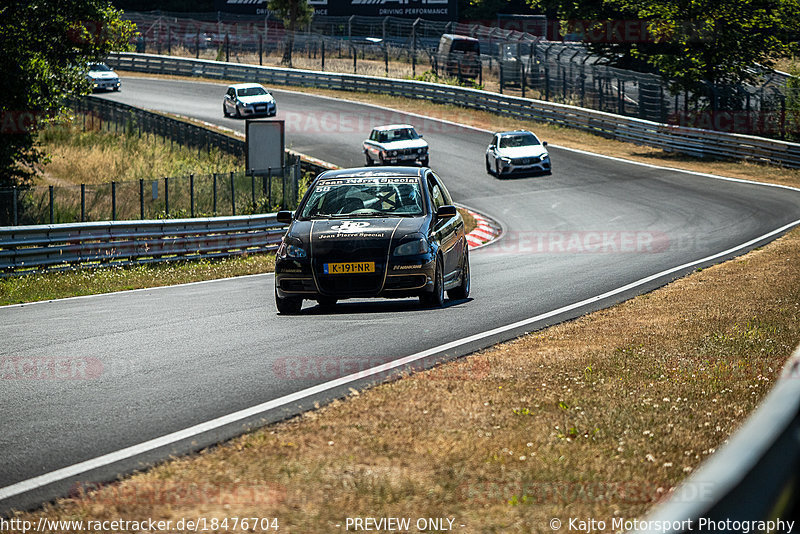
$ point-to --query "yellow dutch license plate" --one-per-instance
(349, 268)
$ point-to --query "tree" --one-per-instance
(295, 13)
(45, 46)
(697, 45)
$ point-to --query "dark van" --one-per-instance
(459, 56)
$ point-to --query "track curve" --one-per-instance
(181, 356)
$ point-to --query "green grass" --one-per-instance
(47, 286)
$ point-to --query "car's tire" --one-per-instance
(488, 166)
(225, 111)
(369, 159)
(435, 299)
(497, 171)
(462, 291)
(238, 113)
(327, 302)
(288, 306)
(425, 162)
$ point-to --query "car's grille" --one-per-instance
(343, 284)
(262, 107)
(525, 161)
(346, 285)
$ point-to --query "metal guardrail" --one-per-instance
(691, 141)
(754, 477)
(63, 246)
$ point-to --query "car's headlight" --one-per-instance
(544, 157)
(507, 161)
(393, 153)
(292, 247)
(418, 245)
(421, 151)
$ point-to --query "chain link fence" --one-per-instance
(512, 62)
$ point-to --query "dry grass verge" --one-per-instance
(596, 418)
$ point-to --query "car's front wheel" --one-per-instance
(369, 159)
(435, 299)
(289, 305)
(425, 162)
(225, 111)
(488, 166)
(462, 290)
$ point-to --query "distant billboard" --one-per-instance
(424, 9)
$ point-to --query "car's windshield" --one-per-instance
(364, 197)
(399, 134)
(99, 67)
(515, 140)
(251, 91)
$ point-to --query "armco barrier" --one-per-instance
(64, 246)
(754, 477)
(690, 141)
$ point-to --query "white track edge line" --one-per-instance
(150, 445)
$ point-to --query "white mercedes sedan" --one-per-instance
(519, 151)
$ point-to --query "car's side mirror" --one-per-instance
(544, 143)
(284, 216)
(491, 146)
(445, 212)
(421, 136)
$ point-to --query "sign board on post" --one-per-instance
(264, 144)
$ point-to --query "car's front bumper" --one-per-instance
(405, 276)
(534, 165)
(106, 85)
(259, 109)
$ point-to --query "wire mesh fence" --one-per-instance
(205, 195)
(514, 62)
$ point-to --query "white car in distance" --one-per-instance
(519, 151)
(395, 144)
(102, 78)
(248, 99)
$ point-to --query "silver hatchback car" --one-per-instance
(248, 99)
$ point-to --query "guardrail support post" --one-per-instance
(113, 200)
(141, 198)
(52, 218)
(83, 202)
(269, 187)
(14, 200)
(191, 194)
(233, 196)
(166, 196)
(253, 188)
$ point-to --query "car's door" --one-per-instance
(491, 152)
(229, 103)
(447, 231)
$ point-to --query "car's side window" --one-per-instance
(443, 192)
(437, 197)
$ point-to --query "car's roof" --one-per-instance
(368, 172)
(392, 126)
(245, 85)
(513, 132)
